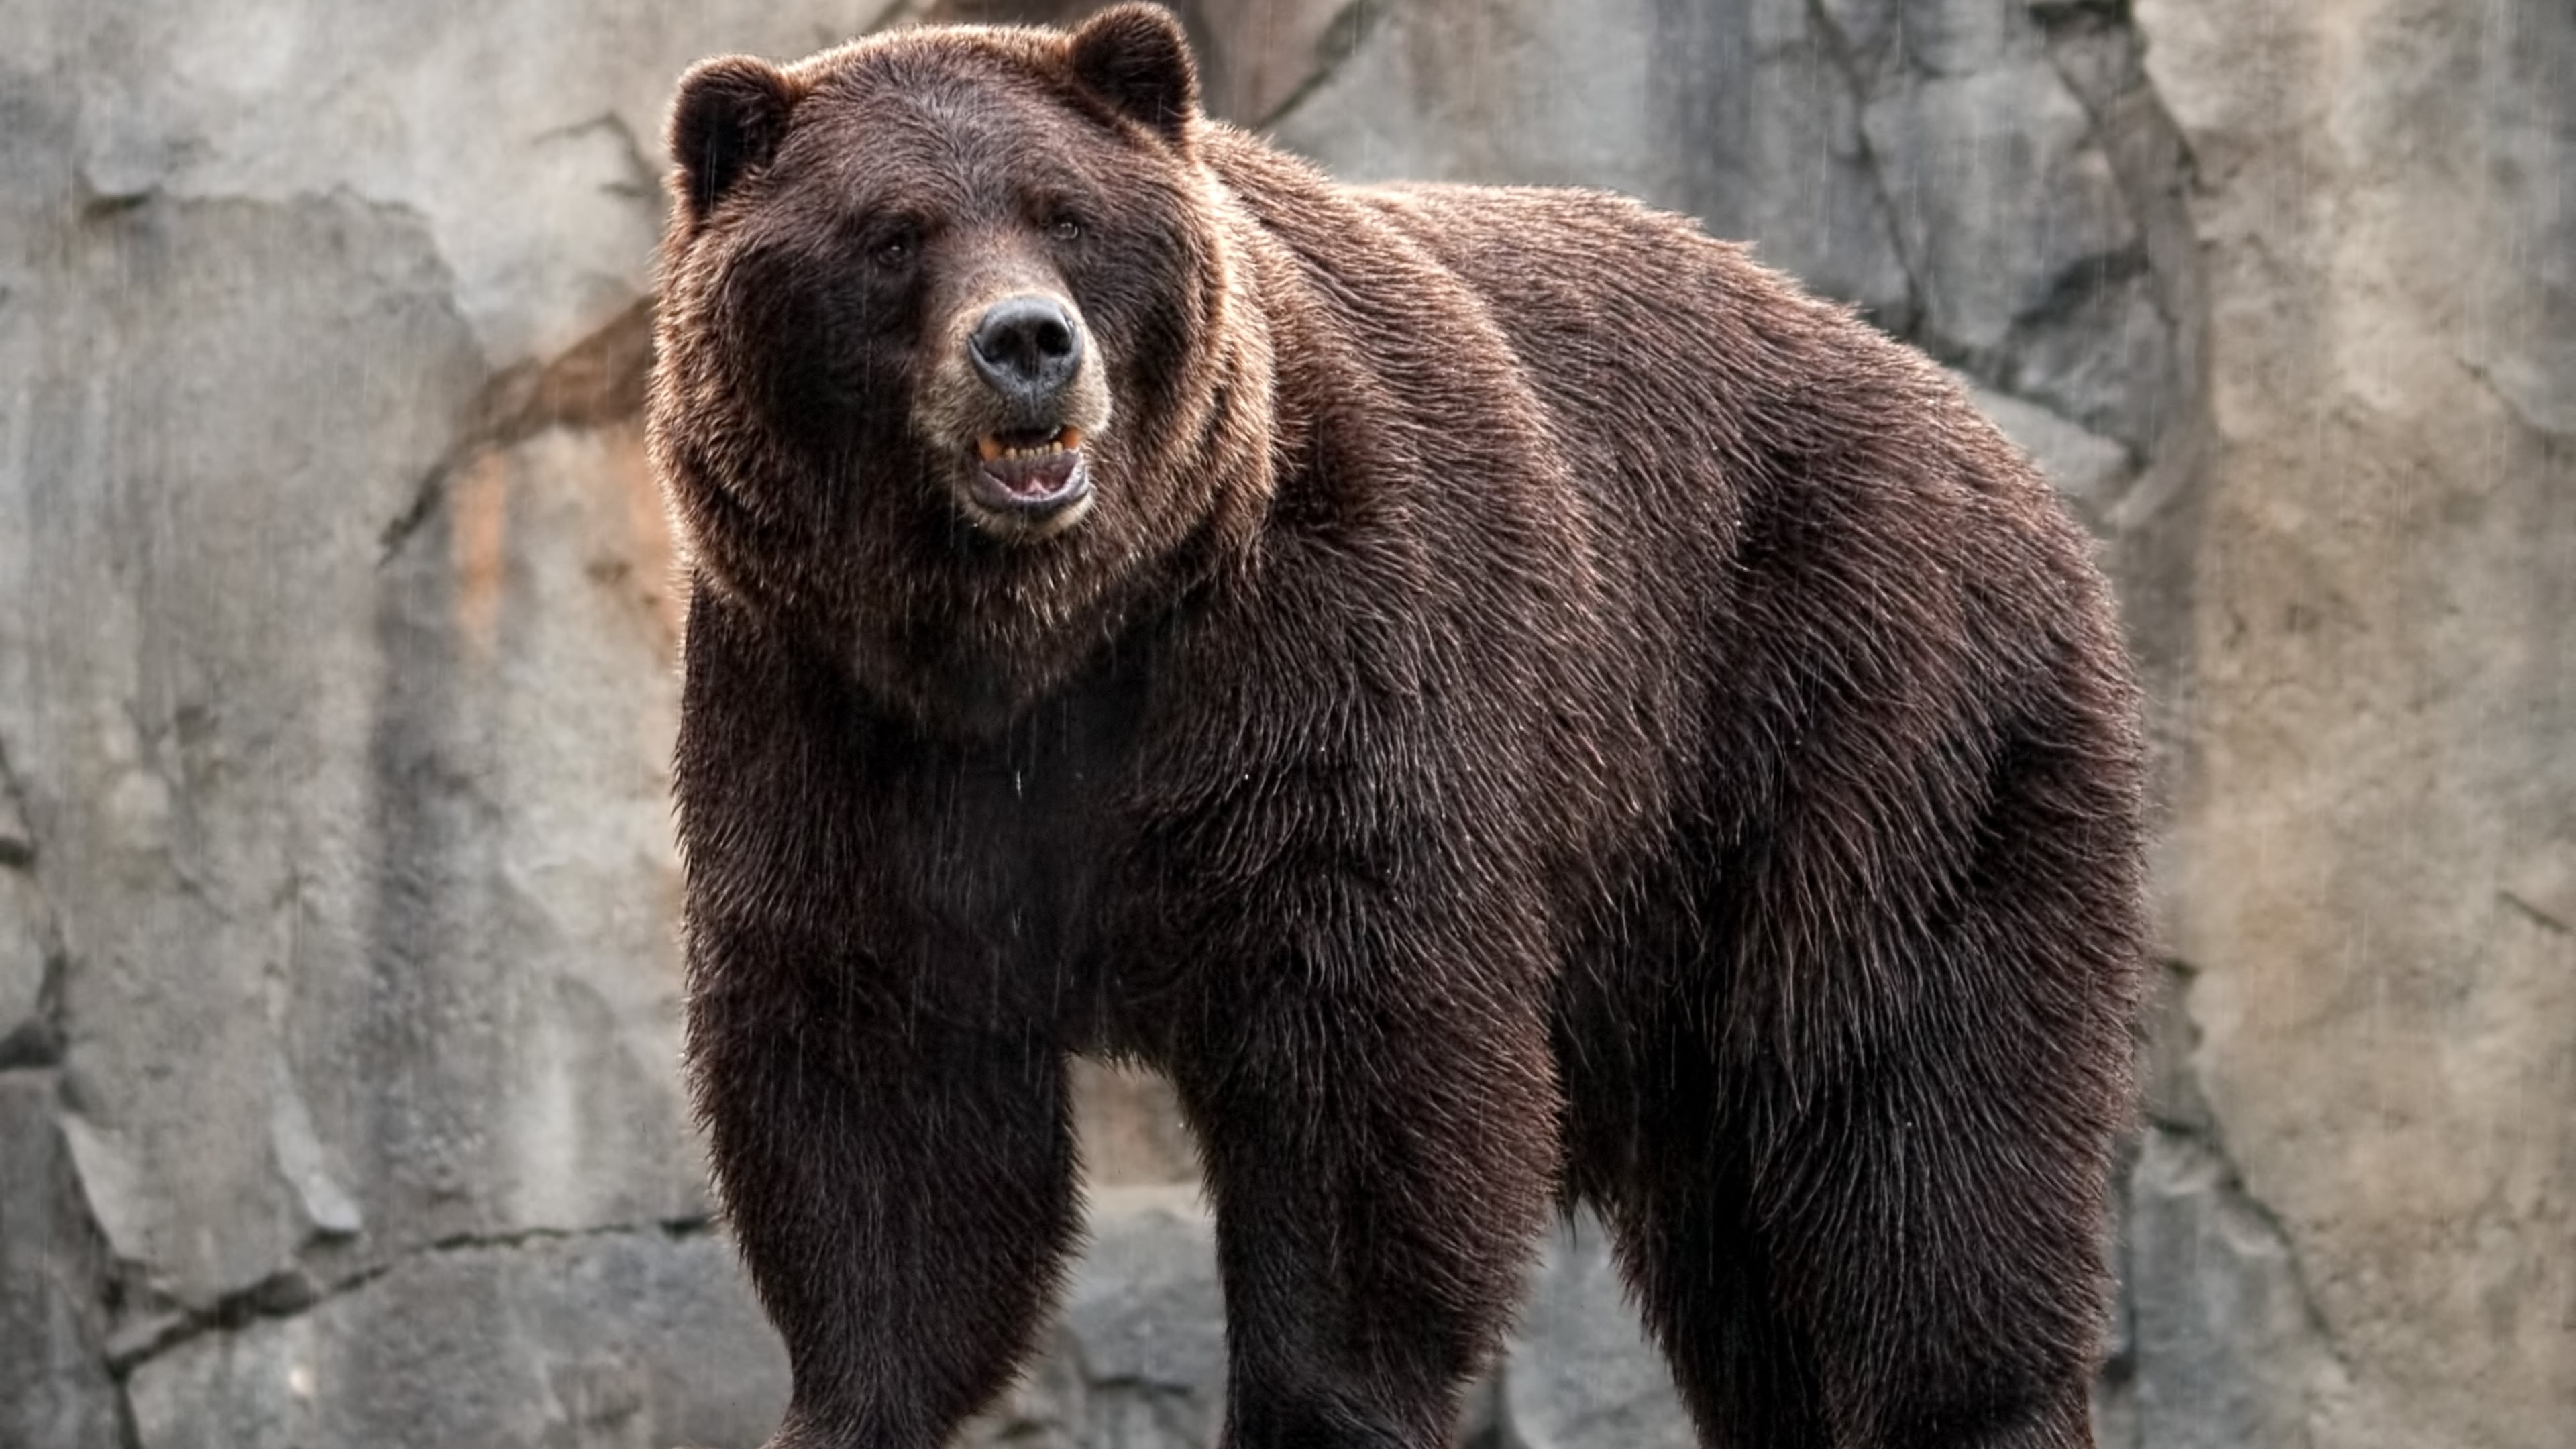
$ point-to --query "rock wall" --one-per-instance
(335, 703)
(2367, 1152)
(338, 1091)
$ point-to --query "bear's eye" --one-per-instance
(1066, 227)
(894, 251)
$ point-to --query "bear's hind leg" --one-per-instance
(1933, 1188)
(1680, 1221)
(1935, 1230)
(1908, 1272)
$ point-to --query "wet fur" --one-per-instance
(1540, 711)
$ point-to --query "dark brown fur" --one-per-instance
(1539, 711)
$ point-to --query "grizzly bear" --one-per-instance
(1502, 700)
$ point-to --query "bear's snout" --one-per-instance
(1015, 393)
(1028, 349)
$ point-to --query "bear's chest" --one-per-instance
(989, 869)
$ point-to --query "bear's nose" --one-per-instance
(1028, 348)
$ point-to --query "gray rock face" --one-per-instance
(1138, 1359)
(2218, 1315)
(335, 692)
(338, 997)
(55, 1390)
(1580, 1371)
(26, 957)
(1744, 115)
(611, 1339)
(1934, 163)
(2382, 754)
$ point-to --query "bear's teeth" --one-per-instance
(990, 448)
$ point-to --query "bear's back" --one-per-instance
(1805, 544)
(1699, 402)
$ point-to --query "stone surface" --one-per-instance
(2384, 731)
(1137, 1360)
(26, 957)
(1934, 162)
(336, 647)
(1255, 57)
(2216, 1343)
(17, 846)
(609, 1339)
(55, 1392)
(2086, 467)
(520, 136)
(2219, 1325)
(1743, 115)
(380, 850)
(1580, 1373)
(1130, 1127)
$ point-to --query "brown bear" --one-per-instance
(1504, 701)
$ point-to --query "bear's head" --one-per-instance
(957, 362)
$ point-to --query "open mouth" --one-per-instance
(1030, 471)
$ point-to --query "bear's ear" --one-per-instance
(1137, 58)
(729, 117)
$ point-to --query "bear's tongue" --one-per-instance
(1029, 464)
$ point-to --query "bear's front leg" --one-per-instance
(902, 1192)
(1381, 1157)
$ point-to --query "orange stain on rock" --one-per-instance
(478, 503)
(654, 574)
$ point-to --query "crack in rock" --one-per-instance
(2543, 887)
(56, 1283)
(294, 1291)
(1840, 52)
(645, 182)
(597, 381)
(2539, 917)
(2154, 170)
(2220, 1339)
(33, 960)
(1344, 35)
(17, 842)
